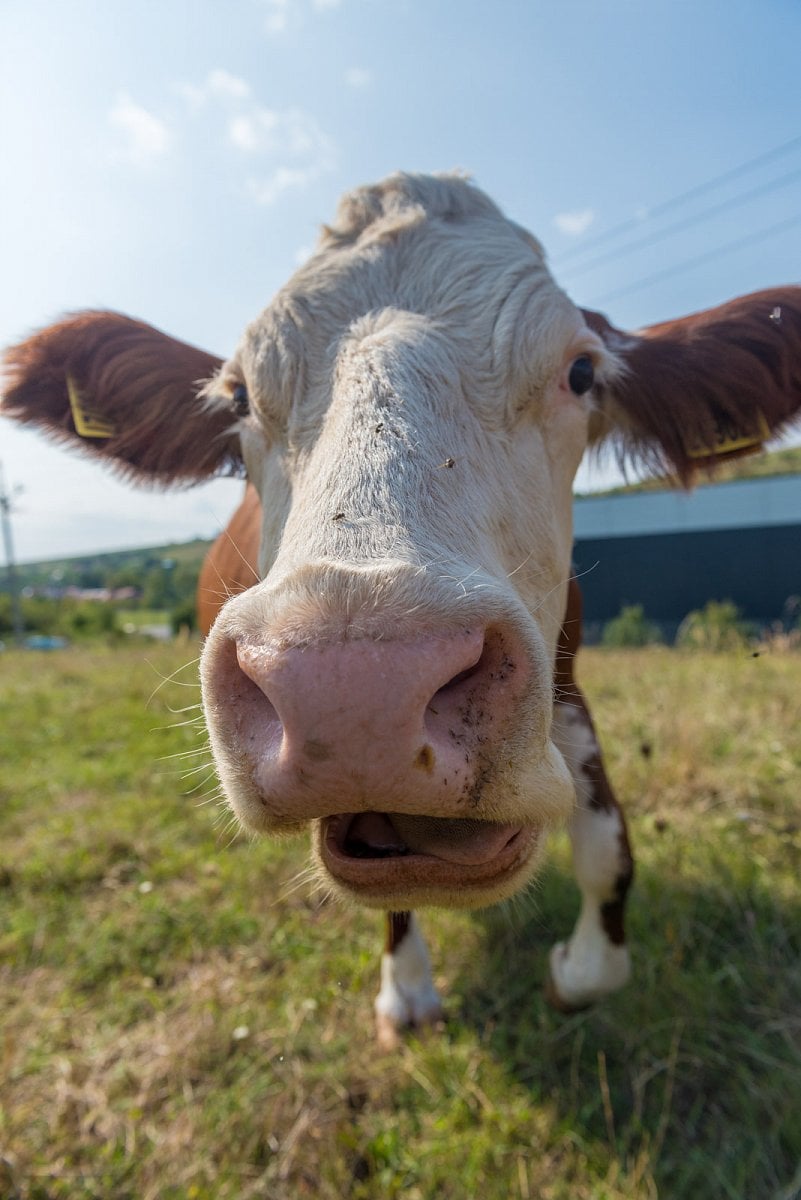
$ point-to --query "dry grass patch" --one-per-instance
(183, 1020)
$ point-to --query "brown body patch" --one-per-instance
(397, 927)
(602, 797)
(231, 565)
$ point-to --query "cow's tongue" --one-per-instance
(386, 835)
(372, 835)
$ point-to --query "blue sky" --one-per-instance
(173, 160)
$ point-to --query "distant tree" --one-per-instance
(630, 628)
(184, 615)
(87, 619)
(123, 577)
(39, 615)
(718, 626)
(89, 573)
(161, 587)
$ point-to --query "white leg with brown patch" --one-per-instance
(595, 960)
(407, 996)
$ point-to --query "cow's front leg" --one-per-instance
(595, 960)
(407, 996)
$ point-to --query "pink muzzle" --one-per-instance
(377, 726)
(423, 762)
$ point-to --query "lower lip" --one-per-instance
(417, 871)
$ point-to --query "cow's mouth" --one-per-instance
(377, 855)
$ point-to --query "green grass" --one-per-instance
(182, 1019)
(137, 617)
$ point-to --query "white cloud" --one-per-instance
(358, 77)
(284, 148)
(254, 131)
(194, 96)
(218, 84)
(147, 138)
(282, 179)
(223, 83)
(296, 150)
(574, 223)
(280, 13)
(269, 130)
(277, 18)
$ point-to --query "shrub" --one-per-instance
(88, 619)
(718, 626)
(630, 629)
(65, 618)
(39, 615)
(184, 616)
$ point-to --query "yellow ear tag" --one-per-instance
(733, 441)
(87, 423)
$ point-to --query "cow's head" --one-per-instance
(412, 408)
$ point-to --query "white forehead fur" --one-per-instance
(430, 245)
(397, 201)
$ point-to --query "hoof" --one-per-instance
(572, 986)
(557, 1002)
(387, 1033)
(390, 1032)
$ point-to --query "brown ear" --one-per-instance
(126, 392)
(708, 386)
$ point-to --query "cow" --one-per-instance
(392, 668)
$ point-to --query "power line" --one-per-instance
(682, 198)
(687, 222)
(677, 268)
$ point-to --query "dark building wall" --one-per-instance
(670, 574)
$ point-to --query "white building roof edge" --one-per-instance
(745, 504)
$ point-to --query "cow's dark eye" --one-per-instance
(582, 375)
(240, 399)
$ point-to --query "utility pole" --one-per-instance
(11, 568)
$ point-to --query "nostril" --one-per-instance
(448, 690)
(465, 681)
(247, 673)
(482, 683)
(467, 673)
(253, 667)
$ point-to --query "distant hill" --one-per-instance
(157, 579)
(121, 568)
(786, 461)
(93, 594)
(105, 570)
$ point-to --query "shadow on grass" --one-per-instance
(696, 1065)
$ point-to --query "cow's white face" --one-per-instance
(419, 398)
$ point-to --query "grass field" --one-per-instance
(182, 1019)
